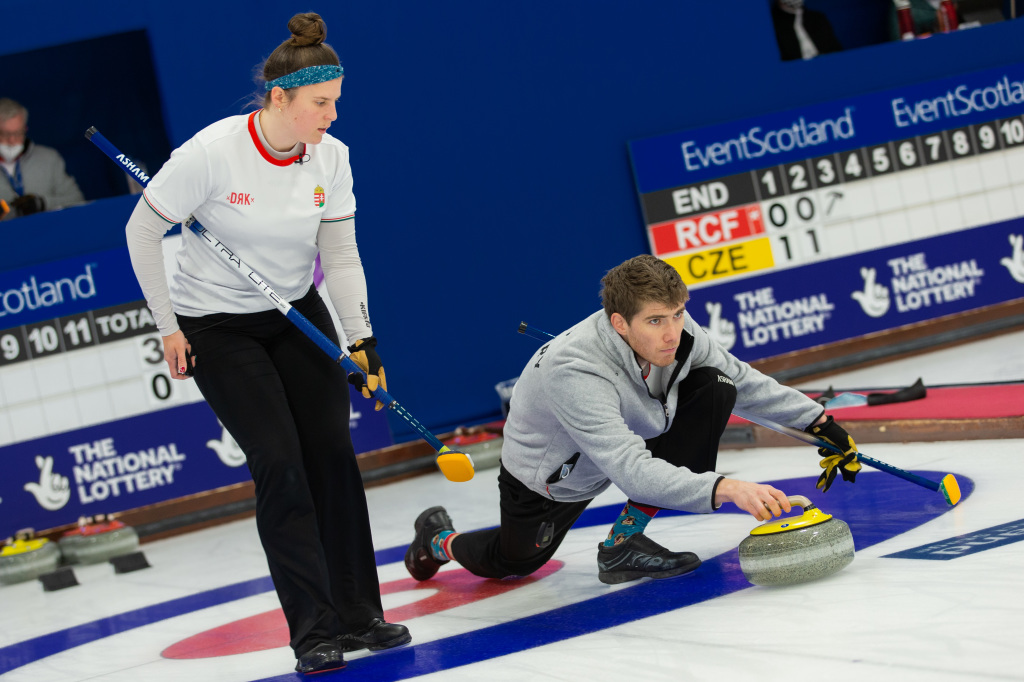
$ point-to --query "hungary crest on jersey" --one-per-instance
(319, 197)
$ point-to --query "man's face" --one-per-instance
(12, 131)
(653, 333)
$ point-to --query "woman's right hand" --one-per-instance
(176, 348)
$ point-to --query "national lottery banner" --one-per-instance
(90, 420)
(833, 221)
(116, 466)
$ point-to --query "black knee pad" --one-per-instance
(722, 389)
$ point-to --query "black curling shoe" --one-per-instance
(377, 636)
(420, 563)
(640, 557)
(322, 658)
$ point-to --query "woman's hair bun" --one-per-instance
(307, 29)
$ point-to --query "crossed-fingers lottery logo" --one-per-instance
(1014, 263)
(319, 197)
(764, 319)
(914, 284)
(100, 472)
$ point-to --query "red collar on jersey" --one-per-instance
(259, 145)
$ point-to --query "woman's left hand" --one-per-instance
(178, 354)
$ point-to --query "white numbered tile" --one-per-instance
(19, 384)
(86, 368)
(993, 170)
(860, 199)
(967, 177)
(192, 392)
(61, 413)
(1018, 194)
(150, 349)
(786, 250)
(53, 376)
(949, 216)
(888, 194)
(921, 222)
(867, 233)
(94, 406)
(809, 240)
(813, 239)
(1001, 205)
(1015, 165)
(6, 432)
(27, 421)
(119, 360)
(941, 181)
(834, 204)
(837, 240)
(914, 187)
(975, 210)
(162, 391)
(895, 227)
(129, 398)
(806, 210)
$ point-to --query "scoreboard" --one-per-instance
(829, 222)
(90, 420)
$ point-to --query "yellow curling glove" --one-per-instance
(363, 353)
(833, 462)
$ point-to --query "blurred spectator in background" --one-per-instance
(802, 33)
(925, 17)
(33, 177)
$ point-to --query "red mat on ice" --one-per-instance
(947, 402)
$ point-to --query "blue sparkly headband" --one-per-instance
(310, 75)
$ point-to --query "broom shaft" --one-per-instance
(814, 440)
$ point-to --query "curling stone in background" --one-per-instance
(25, 557)
(97, 539)
(796, 549)
(483, 446)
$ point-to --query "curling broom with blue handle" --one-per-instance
(456, 466)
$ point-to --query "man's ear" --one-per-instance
(619, 324)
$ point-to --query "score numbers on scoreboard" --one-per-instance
(840, 203)
(84, 369)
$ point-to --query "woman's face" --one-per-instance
(311, 111)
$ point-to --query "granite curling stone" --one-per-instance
(98, 539)
(793, 550)
(25, 557)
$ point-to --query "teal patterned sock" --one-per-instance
(630, 521)
(438, 547)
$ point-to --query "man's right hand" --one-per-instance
(760, 500)
(28, 204)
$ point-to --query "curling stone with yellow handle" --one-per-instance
(796, 549)
(25, 557)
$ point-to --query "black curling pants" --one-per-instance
(706, 399)
(286, 403)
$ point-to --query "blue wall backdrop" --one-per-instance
(488, 143)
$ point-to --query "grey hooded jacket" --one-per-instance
(583, 392)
